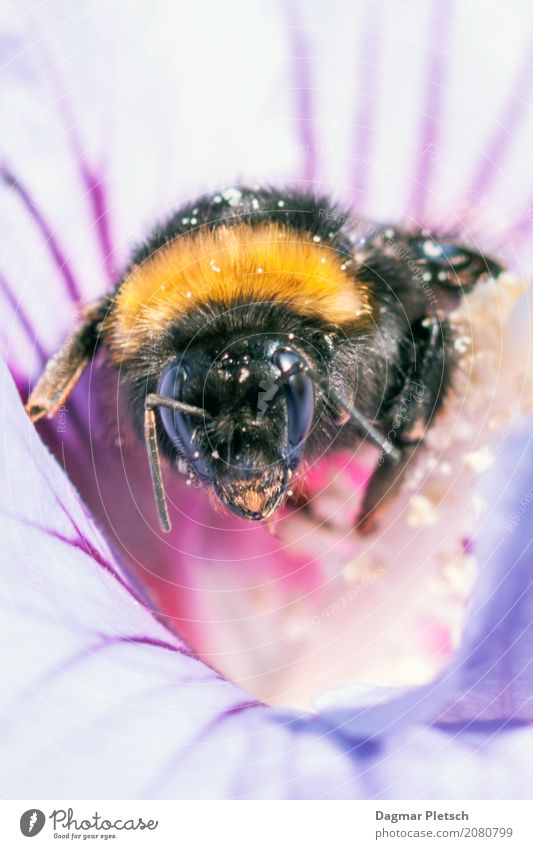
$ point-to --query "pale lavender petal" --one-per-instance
(304, 114)
(495, 666)
(368, 56)
(489, 684)
(431, 119)
(100, 699)
(426, 763)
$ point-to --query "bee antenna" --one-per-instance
(357, 417)
(152, 448)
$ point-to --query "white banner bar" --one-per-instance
(268, 825)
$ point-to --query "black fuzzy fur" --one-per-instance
(373, 364)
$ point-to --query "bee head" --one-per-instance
(256, 405)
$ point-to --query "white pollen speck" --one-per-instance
(480, 460)
(316, 238)
(291, 335)
(188, 482)
(255, 203)
(462, 344)
(259, 270)
(431, 249)
(343, 267)
(184, 220)
(389, 233)
(422, 512)
(427, 275)
(244, 374)
(281, 203)
(233, 196)
(323, 259)
(195, 211)
(217, 199)
(194, 221)
(196, 455)
(188, 294)
(213, 266)
(215, 455)
(442, 275)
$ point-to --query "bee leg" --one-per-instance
(302, 502)
(410, 414)
(383, 487)
(64, 368)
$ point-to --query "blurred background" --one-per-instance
(417, 110)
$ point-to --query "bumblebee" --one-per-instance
(257, 330)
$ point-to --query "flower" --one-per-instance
(344, 669)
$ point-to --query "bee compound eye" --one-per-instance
(300, 402)
(181, 428)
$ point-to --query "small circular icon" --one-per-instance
(32, 822)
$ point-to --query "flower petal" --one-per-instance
(426, 763)
(489, 683)
(99, 698)
(104, 700)
(495, 666)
